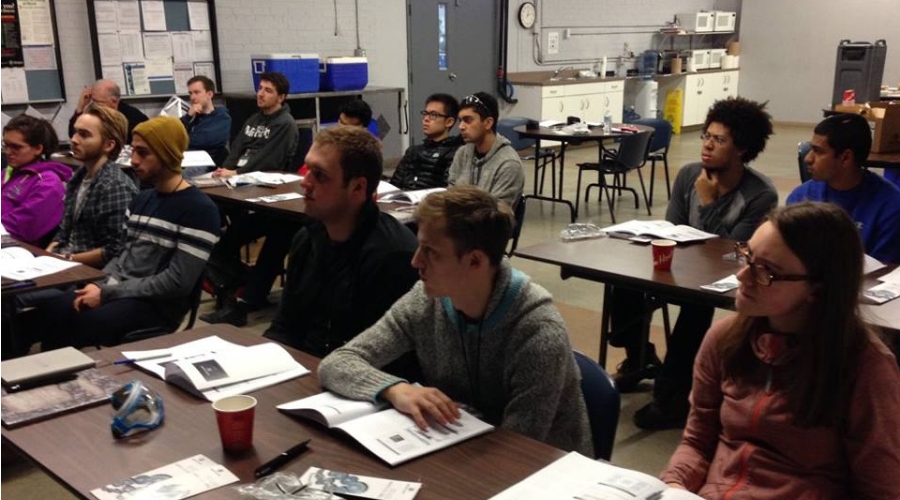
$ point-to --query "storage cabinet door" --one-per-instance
(730, 84)
(553, 108)
(695, 99)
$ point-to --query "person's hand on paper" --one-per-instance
(88, 297)
(707, 186)
(416, 401)
(84, 99)
(224, 172)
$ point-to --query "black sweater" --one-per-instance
(426, 165)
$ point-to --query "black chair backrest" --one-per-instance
(662, 133)
(803, 149)
(633, 149)
(519, 213)
(505, 128)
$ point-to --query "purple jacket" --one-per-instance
(33, 199)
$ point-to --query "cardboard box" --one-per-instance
(884, 119)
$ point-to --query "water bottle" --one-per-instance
(607, 120)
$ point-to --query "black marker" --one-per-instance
(274, 464)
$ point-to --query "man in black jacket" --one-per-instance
(106, 93)
(352, 262)
(425, 165)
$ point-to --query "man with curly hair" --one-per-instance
(719, 194)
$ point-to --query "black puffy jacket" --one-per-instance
(425, 166)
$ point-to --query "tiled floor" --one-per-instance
(579, 300)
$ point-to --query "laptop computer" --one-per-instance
(43, 368)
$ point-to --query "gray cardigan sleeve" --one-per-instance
(176, 280)
(353, 369)
(509, 181)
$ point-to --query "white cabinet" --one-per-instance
(700, 91)
(587, 101)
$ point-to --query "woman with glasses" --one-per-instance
(33, 188)
(794, 396)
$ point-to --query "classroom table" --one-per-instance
(621, 263)
(883, 160)
(292, 209)
(78, 450)
(75, 275)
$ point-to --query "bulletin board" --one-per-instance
(151, 48)
(31, 69)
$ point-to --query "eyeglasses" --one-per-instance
(718, 139)
(473, 100)
(760, 272)
(432, 115)
(13, 147)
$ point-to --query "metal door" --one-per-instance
(453, 48)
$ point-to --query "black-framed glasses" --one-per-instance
(473, 100)
(760, 272)
(13, 147)
(717, 139)
(432, 115)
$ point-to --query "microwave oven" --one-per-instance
(715, 57)
(724, 21)
(699, 59)
(698, 22)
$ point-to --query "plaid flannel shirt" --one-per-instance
(101, 223)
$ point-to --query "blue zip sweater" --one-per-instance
(209, 132)
(874, 205)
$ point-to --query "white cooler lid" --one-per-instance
(347, 60)
(284, 55)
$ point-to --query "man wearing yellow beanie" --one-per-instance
(171, 230)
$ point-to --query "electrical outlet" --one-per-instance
(553, 42)
(567, 33)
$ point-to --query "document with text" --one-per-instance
(576, 476)
(391, 435)
(661, 229)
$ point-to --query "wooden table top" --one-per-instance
(72, 276)
(623, 263)
(78, 449)
(883, 160)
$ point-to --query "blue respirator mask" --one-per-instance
(138, 408)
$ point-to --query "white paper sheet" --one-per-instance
(891, 277)
(175, 481)
(183, 46)
(154, 15)
(35, 24)
(206, 69)
(276, 198)
(182, 73)
(112, 72)
(136, 79)
(723, 285)
(359, 486)
(198, 15)
(131, 46)
(106, 16)
(202, 46)
(29, 269)
(15, 88)
(39, 57)
(158, 68)
(110, 50)
(129, 16)
(157, 45)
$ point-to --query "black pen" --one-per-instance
(274, 464)
(19, 285)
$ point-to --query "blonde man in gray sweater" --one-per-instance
(484, 334)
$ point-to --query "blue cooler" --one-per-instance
(344, 73)
(302, 70)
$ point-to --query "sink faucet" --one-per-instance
(560, 70)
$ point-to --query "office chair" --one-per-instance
(603, 404)
(520, 219)
(803, 149)
(148, 333)
(632, 155)
(505, 127)
(659, 150)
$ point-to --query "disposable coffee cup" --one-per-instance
(663, 253)
(234, 414)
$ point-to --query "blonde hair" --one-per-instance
(113, 126)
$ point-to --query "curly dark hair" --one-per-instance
(749, 122)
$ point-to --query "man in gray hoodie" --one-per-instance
(484, 334)
(487, 160)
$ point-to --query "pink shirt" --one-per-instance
(739, 442)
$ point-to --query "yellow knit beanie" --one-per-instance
(167, 138)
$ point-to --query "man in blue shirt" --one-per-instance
(839, 145)
(208, 125)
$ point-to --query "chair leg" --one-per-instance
(666, 167)
(609, 201)
(578, 191)
(644, 191)
(652, 177)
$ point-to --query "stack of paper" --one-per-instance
(889, 289)
(213, 368)
(19, 264)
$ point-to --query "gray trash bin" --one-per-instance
(860, 66)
